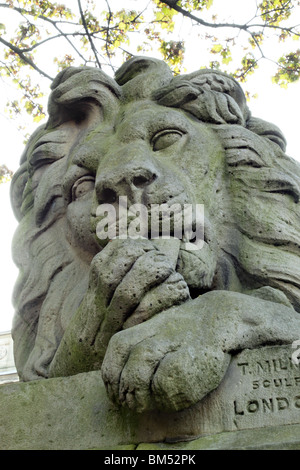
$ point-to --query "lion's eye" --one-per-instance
(82, 186)
(166, 138)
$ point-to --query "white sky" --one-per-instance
(274, 104)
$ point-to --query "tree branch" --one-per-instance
(88, 34)
(107, 33)
(172, 4)
(245, 27)
(70, 42)
(38, 44)
(54, 23)
(20, 84)
(22, 11)
(26, 59)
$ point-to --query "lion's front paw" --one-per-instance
(164, 367)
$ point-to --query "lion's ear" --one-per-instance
(75, 90)
(141, 76)
(64, 75)
(221, 83)
(210, 96)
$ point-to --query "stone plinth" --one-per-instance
(257, 405)
(261, 388)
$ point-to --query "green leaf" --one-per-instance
(38, 117)
(226, 60)
(216, 48)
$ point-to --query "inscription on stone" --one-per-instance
(261, 388)
(276, 377)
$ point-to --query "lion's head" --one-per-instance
(156, 139)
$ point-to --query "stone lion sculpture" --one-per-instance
(160, 321)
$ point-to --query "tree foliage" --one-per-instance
(38, 38)
(5, 174)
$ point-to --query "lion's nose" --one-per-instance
(124, 182)
(144, 178)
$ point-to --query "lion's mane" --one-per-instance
(261, 228)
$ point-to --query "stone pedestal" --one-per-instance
(8, 371)
(261, 388)
(257, 405)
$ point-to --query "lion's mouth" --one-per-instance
(190, 253)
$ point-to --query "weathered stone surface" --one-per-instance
(8, 371)
(274, 438)
(260, 390)
(162, 319)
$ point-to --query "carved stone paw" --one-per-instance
(136, 281)
(161, 365)
(177, 357)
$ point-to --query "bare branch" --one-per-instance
(37, 44)
(26, 59)
(20, 84)
(107, 33)
(88, 34)
(70, 42)
(54, 23)
(23, 11)
(245, 27)
(172, 4)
